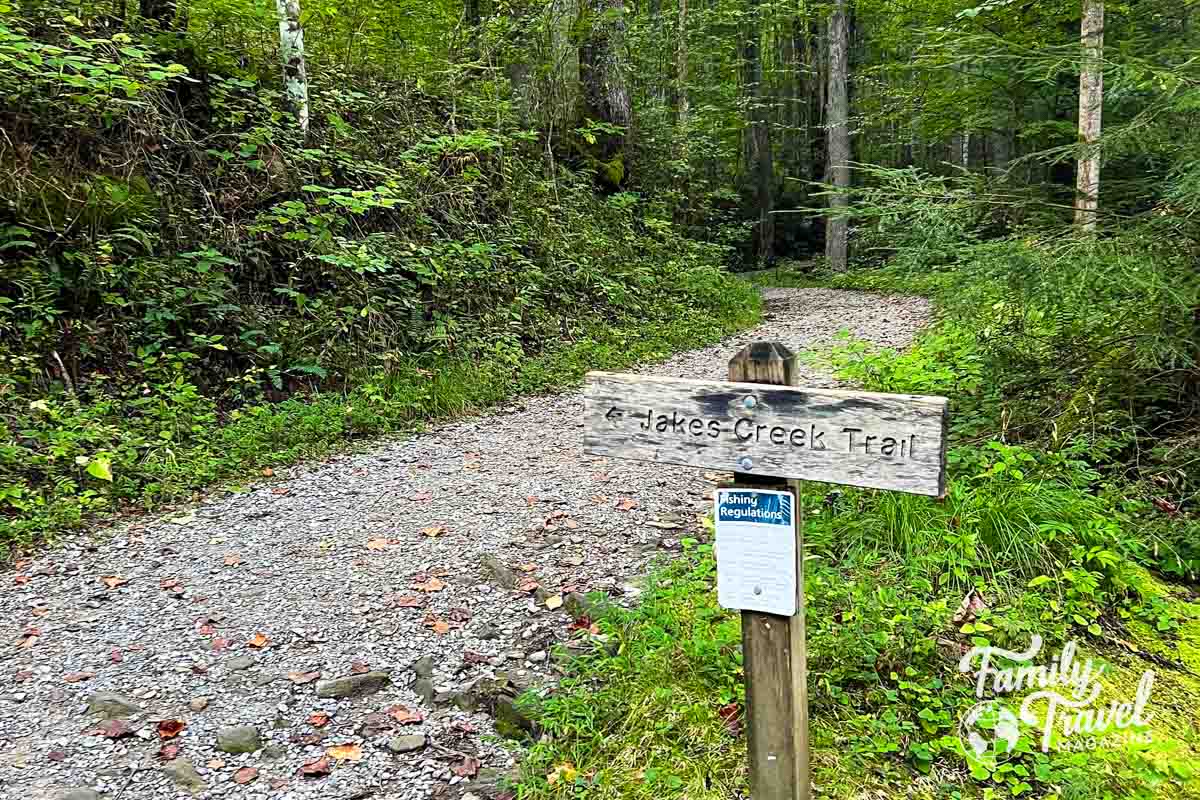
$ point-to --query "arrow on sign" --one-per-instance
(614, 414)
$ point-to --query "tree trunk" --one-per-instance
(161, 11)
(683, 107)
(759, 164)
(291, 48)
(601, 67)
(1091, 102)
(838, 124)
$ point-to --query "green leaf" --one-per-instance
(100, 467)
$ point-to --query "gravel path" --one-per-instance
(367, 570)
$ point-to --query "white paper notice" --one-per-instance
(756, 550)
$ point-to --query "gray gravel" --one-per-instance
(322, 561)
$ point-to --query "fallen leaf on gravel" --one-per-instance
(460, 615)
(528, 585)
(29, 637)
(531, 501)
(170, 728)
(308, 739)
(21, 579)
(471, 657)
(570, 524)
(599, 499)
(281, 491)
(554, 601)
(408, 601)
(405, 715)
(259, 640)
(626, 504)
(57, 755)
(345, 752)
(116, 657)
(23, 675)
(76, 677)
(438, 627)
(268, 472)
(527, 567)
(467, 767)
(245, 775)
(359, 667)
(301, 678)
(112, 729)
(168, 751)
(199, 669)
(462, 726)
(219, 644)
(168, 583)
(113, 581)
(206, 630)
(431, 585)
(215, 763)
(433, 531)
(421, 497)
(318, 720)
(316, 768)
(377, 544)
(232, 560)
(278, 783)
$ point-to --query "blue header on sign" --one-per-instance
(751, 506)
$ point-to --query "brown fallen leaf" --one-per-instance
(215, 763)
(408, 601)
(57, 755)
(21, 579)
(268, 472)
(433, 531)
(421, 497)
(281, 491)
(431, 585)
(467, 767)
(554, 602)
(377, 544)
(168, 583)
(531, 501)
(318, 720)
(345, 752)
(471, 657)
(29, 637)
(113, 581)
(278, 783)
(219, 644)
(259, 640)
(528, 567)
(233, 559)
(405, 715)
(170, 728)
(301, 678)
(459, 615)
(527, 585)
(76, 677)
(438, 626)
(359, 667)
(116, 656)
(168, 751)
(626, 504)
(599, 499)
(462, 726)
(316, 768)
(245, 775)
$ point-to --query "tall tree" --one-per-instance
(601, 64)
(1091, 103)
(838, 124)
(759, 164)
(291, 49)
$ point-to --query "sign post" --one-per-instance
(771, 434)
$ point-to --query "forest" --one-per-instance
(240, 237)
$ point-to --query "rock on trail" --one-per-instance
(359, 627)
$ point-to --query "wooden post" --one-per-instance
(774, 652)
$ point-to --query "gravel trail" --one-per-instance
(367, 570)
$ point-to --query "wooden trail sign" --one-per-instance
(767, 431)
(864, 439)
